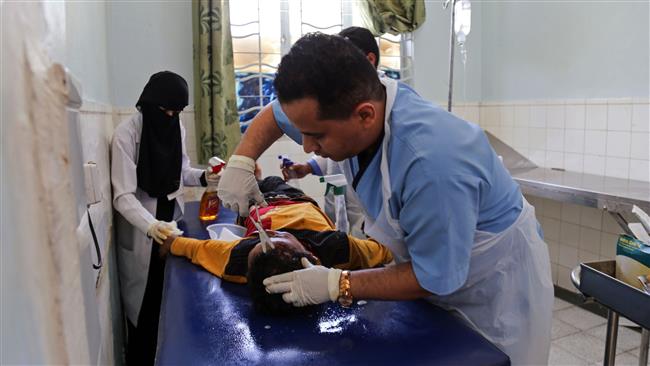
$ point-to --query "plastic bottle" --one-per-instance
(209, 206)
(292, 175)
(336, 184)
(463, 25)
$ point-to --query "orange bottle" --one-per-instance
(209, 206)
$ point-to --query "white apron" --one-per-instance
(508, 295)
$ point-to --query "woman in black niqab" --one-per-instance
(159, 174)
(160, 157)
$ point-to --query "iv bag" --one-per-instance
(463, 20)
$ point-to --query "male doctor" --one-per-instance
(433, 191)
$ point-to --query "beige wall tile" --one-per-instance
(591, 217)
(619, 117)
(569, 234)
(590, 240)
(571, 213)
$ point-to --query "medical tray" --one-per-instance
(598, 280)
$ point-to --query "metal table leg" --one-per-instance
(643, 353)
(612, 334)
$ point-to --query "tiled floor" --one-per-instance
(578, 338)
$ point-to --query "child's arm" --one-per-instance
(367, 253)
(213, 255)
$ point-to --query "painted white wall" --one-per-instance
(431, 54)
(87, 54)
(22, 317)
(144, 38)
(539, 50)
(553, 50)
(87, 57)
(42, 300)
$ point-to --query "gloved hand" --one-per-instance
(215, 164)
(296, 171)
(238, 185)
(210, 177)
(309, 286)
(160, 230)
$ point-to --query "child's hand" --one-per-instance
(166, 246)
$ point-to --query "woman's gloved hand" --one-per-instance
(160, 230)
(210, 177)
(309, 286)
(238, 185)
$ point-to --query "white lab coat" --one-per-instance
(136, 210)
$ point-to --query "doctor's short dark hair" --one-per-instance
(331, 70)
(274, 262)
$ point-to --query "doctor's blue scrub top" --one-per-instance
(446, 183)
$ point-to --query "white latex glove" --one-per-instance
(210, 177)
(238, 185)
(160, 230)
(175, 231)
(309, 286)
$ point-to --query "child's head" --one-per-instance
(284, 258)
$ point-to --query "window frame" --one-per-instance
(287, 8)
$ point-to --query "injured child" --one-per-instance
(298, 228)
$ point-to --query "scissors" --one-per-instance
(264, 237)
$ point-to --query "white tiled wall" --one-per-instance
(574, 234)
(599, 136)
(95, 131)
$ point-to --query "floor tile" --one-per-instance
(560, 304)
(561, 329)
(624, 359)
(626, 340)
(579, 318)
(636, 352)
(560, 357)
(582, 345)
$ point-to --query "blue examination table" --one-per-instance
(206, 321)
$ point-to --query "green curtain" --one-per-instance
(215, 106)
(393, 16)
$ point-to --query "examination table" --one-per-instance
(206, 321)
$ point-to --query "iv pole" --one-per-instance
(452, 40)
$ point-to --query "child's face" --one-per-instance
(284, 242)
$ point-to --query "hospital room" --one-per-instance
(325, 182)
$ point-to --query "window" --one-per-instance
(264, 30)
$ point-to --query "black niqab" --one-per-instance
(160, 156)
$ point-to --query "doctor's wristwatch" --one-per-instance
(345, 296)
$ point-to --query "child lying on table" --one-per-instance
(298, 228)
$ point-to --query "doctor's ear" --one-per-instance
(366, 112)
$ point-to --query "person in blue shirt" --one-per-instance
(432, 188)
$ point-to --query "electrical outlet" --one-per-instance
(92, 183)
